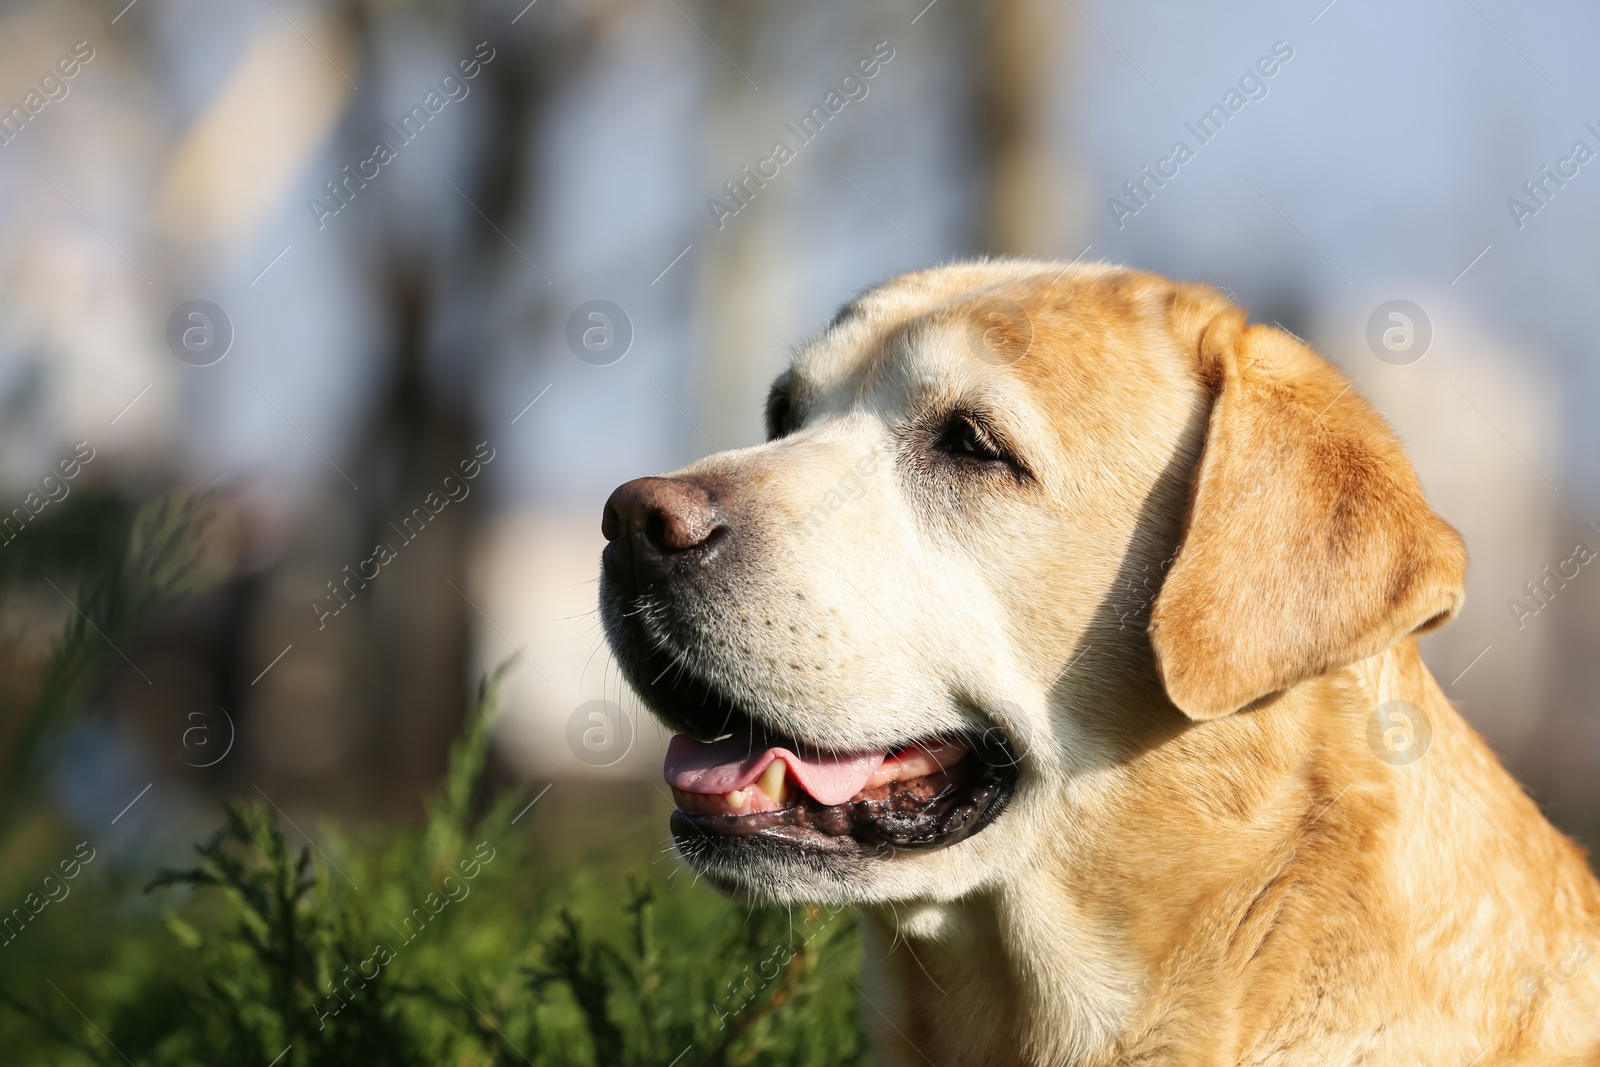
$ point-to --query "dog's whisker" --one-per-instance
(658, 677)
(599, 643)
(920, 966)
(580, 615)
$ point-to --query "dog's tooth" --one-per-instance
(736, 799)
(774, 781)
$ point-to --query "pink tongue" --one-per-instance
(733, 763)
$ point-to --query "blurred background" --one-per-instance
(436, 277)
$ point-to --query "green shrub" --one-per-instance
(454, 943)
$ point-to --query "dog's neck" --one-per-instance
(1171, 858)
(964, 982)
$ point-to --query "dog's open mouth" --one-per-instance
(925, 795)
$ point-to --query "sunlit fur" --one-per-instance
(1183, 610)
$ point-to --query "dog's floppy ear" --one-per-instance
(1308, 544)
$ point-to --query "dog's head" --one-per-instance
(1001, 504)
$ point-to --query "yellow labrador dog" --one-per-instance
(1065, 625)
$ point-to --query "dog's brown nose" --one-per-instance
(655, 523)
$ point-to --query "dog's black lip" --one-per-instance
(674, 694)
(967, 798)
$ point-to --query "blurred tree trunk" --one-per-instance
(736, 305)
(1029, 204)
(387, 688)
(1566, 744)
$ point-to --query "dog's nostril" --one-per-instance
(655, 532)
(610, 524)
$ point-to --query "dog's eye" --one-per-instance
(963, 436)
(780, 413)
